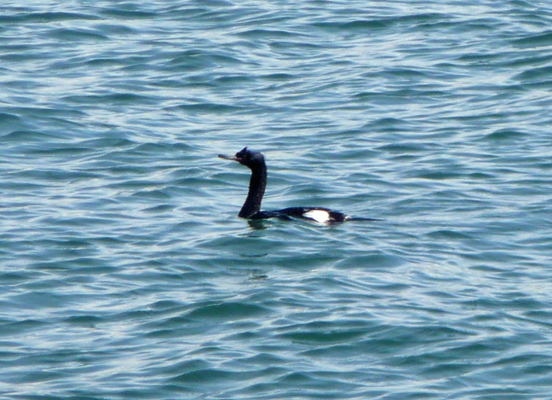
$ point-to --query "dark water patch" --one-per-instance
(232, 80)
(497, 256)
(136, 184)
(210, 108)
(270, 34)
(506, 134)
(110, 143)
(47, 114)
(355, 25)
(371, 261)
(12, 277)
(151, 148)
(418, 21)
(73, 34)
(520, 301)
(447, 234)
(335, 351)
(522, 364)
(14, 328)
(439, 175)
(26, 136)
(227, 311)
(110, 98)
(534, 41)
(190, 365)
(318, 335)
(46, 300)
(34, 377)
(479, 59)
(89, 321)
(279, 77)
(540, 316)
(106, 62)
(53, 175)
(211, 376)
(196, 60)
(343, 154)
(447, 369)
(25, 16)
(173, 327)
(161, 209)
(535, 75)
(127, 12)
(22, 56)
(79, 263)
(211, 14)
(407, 73)
(60, 150)
(298, 378)
(152, 194)
(423, 18)
(115, 29)
(402, 148)
(520, 60)
(165, 305)
(8, 120)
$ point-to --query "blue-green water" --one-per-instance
(126, 274)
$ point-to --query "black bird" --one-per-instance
(251, 209)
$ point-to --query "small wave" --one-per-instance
(45, 17)
(227, 311)
(534, 41)
(74, 34)
(506, 134)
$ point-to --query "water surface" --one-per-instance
(125, 272)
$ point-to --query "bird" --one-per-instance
(251, 209)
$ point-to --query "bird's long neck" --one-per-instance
(257, 186)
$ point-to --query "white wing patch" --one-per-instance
(320, 216)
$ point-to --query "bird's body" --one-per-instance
(318, 214)
(251, 209)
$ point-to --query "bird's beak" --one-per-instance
(225, 157)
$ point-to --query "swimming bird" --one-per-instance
(251, 209)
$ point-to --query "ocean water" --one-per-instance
(125, 272)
